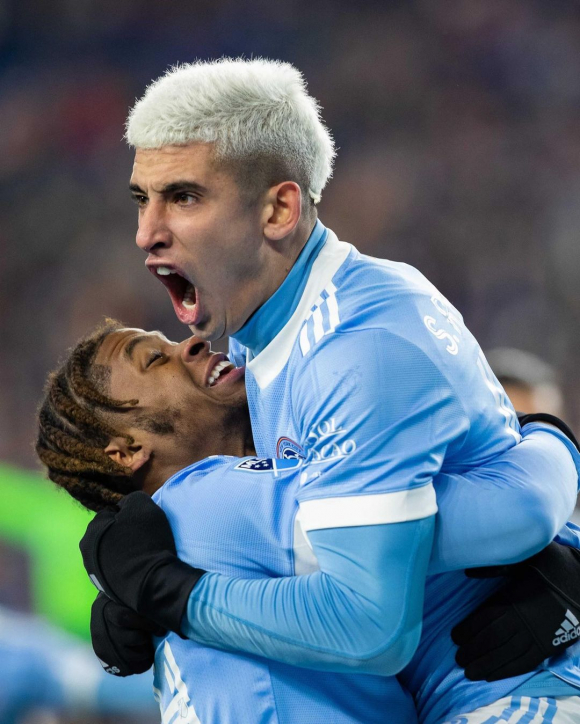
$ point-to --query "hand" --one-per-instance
(130, 555)
(122, 640)
(534, 616)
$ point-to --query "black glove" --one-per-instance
(122, 640)
(130, 555)
(534, 616)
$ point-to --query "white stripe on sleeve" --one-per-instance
(353, 510)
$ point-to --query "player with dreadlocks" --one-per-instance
(78, 418)
(132, 411)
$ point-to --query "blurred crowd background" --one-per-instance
(458, 129)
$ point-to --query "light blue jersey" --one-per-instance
(368, 335)
(237, 517)
(361, 367)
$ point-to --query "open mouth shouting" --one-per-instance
(183, 294)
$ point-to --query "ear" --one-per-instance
(130, 456)
(282, 210)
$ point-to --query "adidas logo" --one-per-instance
(569, 630)
(113, 670)
(109, 669)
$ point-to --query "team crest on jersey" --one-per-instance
(256, 465)
(287, 449)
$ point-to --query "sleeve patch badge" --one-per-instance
(256, 465)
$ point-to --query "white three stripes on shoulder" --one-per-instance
(267, 365)
(315, 325)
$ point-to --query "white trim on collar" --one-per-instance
(267, 365)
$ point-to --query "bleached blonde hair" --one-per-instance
(257, 112)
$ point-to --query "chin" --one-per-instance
(208, 333)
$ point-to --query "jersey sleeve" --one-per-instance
(377, 416)
(569, 535)
(361, 613)
(509, 509)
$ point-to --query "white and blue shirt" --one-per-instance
(373, 371)
(237, 517)
(365, 370)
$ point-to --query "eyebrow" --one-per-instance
(132, 343)
(174, 186)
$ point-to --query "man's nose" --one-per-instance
(194, 347)
(152, 234)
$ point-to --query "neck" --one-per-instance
(272, 315)
(284, 258)
(233, 438)
(297, 241)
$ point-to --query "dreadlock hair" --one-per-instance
(73, 427)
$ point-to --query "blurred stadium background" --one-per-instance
(458, 127)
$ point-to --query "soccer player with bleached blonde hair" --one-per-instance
(363, 369)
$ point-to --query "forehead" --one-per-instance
(164, 165)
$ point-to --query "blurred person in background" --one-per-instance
(531, 383)
(44, 669)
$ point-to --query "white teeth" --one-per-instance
(217, 370)
(163, 271)
(188, 300)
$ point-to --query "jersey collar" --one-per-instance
(271, 317)
(267, 365)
